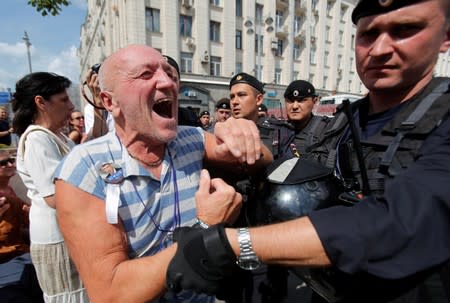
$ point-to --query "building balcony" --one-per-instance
(300, 9)
(281, 32)
(282, 4)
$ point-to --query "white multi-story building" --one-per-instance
(278, 41)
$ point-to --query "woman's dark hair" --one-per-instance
(35, 84)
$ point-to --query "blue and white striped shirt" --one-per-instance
(145, 202)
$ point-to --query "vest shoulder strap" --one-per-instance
(410, 123)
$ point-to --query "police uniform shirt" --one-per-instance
(405, 231)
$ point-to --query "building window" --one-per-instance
(329, 7)
(152, 19)
(278, 19)
(325, 82)
(312, 56)
(313, 29)
(327, 33)
(185, 25)
(279, 51)
(214, 66)
(339, 61)
(325, 58)
(186, 62)
(314, 4)
(238, 39)
(214, 31)
(238, 8)
(297, 24)
(258, 13)
(311, 79)
(215, 2)
(351, 62)
(278, 76)
(295, 75)
(353, 41)
(343, 11)
(258, 44)
(296, 51)
(238, 67)
(341, 37)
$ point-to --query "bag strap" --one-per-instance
(63, 148)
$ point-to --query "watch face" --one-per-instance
(248, 264)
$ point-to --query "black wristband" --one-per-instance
(217, 245)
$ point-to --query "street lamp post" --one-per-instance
(28, 44)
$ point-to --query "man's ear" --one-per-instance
(106, 100)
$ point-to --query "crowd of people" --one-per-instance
(145, 201)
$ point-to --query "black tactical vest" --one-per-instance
(390, 151)
(284, 141)
(402, 136)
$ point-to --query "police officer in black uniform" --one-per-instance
(391, 152)
(204, 120)
(267, 284)
(246, 96)
(223, 110)
(302, 128)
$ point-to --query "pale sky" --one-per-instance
(54, 41)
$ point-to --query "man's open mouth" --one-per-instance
(163, 108)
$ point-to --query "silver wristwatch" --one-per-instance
(247, 259)
(200, 224)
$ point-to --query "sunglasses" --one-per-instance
(78, 118)
(5, 162)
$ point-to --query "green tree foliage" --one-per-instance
(46, 7)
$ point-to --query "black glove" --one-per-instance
(203, 261)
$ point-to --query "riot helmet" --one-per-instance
(293, 188)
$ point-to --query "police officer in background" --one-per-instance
(246, 97)
(204, 120)
(223, 110)
(302, 128)
(273, 283)
(391, 149)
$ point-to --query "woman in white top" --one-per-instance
(41, 108)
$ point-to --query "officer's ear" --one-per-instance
(259, 99)
(446, 43)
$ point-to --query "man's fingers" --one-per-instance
(205, 183)
(219, 185)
